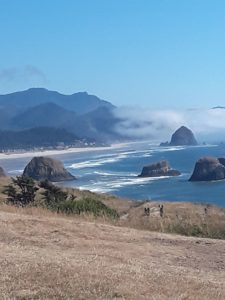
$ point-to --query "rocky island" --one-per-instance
(41, 168)
(209, 169)
(183, 136)
(161, 168)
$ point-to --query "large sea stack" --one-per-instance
(161, 168)
(209, 169)
(183, 136)
(41, 168)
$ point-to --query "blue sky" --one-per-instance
(155, 53)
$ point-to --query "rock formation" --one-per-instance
(2, 172)
(182, 136)
(161, 168)
(208, 169)
(41, 168)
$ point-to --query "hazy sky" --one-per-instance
(155, 53)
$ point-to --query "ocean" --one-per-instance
(115, 171)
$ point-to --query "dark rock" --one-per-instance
(208, 169)
(2, 172)
(182, 137)
(41, 168)
(164, 144)
(161, 168)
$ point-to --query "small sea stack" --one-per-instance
(183, 136)
(41, 168)
(161, 168)
(2, 172)
(209, 169)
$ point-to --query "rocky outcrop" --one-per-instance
(209, 169)
(2, 172)
(161, 168)
(182, 137)
(41, 168)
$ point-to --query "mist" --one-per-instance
(208, 125)
(28, 74)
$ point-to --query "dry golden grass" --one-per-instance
(56, 257)
(45, 255)
(179, 217)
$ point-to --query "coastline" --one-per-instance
(58, 152)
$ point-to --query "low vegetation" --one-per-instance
(187, 219)
(59, 230)
(23, 192)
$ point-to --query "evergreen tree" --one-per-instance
(22, 191)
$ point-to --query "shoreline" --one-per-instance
(59, 152)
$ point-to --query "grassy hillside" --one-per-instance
(182, 218)
(50, 256)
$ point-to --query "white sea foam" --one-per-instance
(96, 162)
(133, 181)
(106, 187)
(103, 173)
(15, 171)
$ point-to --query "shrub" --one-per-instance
(22, 191)
(87, 205)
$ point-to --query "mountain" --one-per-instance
(84, 115)
(46, 114)
(37, 137)
(98, 124)
(80, 102)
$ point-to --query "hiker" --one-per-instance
(161, 210)
(147, 211)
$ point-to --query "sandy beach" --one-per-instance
(58, 152)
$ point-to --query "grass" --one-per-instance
(88, 206)
(54, 256)
(182, 218)
(187, 219)
(50, 255)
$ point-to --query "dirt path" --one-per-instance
(59, 258)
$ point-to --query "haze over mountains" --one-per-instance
(87, 117)
(84, 115)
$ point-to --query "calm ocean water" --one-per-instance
(115, 172)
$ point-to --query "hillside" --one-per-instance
(47, 256)
(80, 102)
(37, 137)
(82, 114)
(46, 114)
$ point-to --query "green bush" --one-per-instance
(87, 205)
(22, 191)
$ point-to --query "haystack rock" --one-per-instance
(208, 169)
(161, 168)
(2, 172)
(41, 168)
(182, 137)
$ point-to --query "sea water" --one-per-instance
(115, 171)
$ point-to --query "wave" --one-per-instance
(124, 174)
(15, 171)
(96, 162)
(106, 187)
